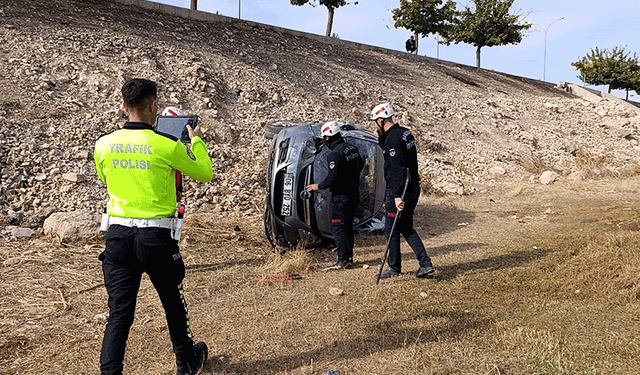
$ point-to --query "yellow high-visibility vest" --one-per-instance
(139, 167)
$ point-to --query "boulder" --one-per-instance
(548, 177)
(447, 185)
(73, 226)
(22, 232)
(497, 171)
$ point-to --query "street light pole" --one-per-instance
(544, 69)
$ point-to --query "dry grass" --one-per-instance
(534, 164)
(532, 280)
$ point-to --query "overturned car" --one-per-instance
(297, 158)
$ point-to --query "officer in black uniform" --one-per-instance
(400, 156)
(343, 180)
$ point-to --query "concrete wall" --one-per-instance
(595, 96)
(584, 93)
(626, 104)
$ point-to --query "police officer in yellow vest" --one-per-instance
(138, 166)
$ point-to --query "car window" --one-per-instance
(369, 153)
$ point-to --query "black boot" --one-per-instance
(200, 353)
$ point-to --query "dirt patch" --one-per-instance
(525, 281)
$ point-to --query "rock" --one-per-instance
(576, 176)
(101, 317)
(336, 291)
(497, 171)
(548, 177)
(73, 226)
(225, 134)
(74, 177)
(82, 155)
(22, 232)
(624, 133)
(447, 185)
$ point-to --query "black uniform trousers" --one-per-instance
(343, 209)
(404, 226)
(129, 252)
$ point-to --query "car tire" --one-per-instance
(269, 230)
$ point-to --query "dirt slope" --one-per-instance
(63, 63)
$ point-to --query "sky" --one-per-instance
(586, 24)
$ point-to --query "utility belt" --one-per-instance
(174, 224)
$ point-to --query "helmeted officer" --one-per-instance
(138, 166)
(343, 180)
(400, 155)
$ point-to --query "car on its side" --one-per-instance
(297, 158)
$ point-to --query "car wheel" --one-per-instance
(268, 224)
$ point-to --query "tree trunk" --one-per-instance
(330, 21)
(194, 4)
(627, 98)
(417, 42)
(478, 57)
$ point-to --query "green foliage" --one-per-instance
(616, 68)
(425, 17)
(331, 5)
(327, 3)
(489, 24)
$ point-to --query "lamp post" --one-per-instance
(544, 69)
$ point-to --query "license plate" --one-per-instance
(287, 193)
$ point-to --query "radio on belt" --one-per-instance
(179, 223)
(104, 223)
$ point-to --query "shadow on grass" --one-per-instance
(490, 264)
(429, 221)
(379, 337)
(435, 220)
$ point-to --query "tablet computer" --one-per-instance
(176, 126)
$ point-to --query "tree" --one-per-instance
(489, 24)
(616, 68)
(331, 5)
(194, 4)
(425, 17)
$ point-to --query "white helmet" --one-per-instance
(172, 111)
(329, 129)
(384, 110)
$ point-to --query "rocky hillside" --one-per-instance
(62, 63)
